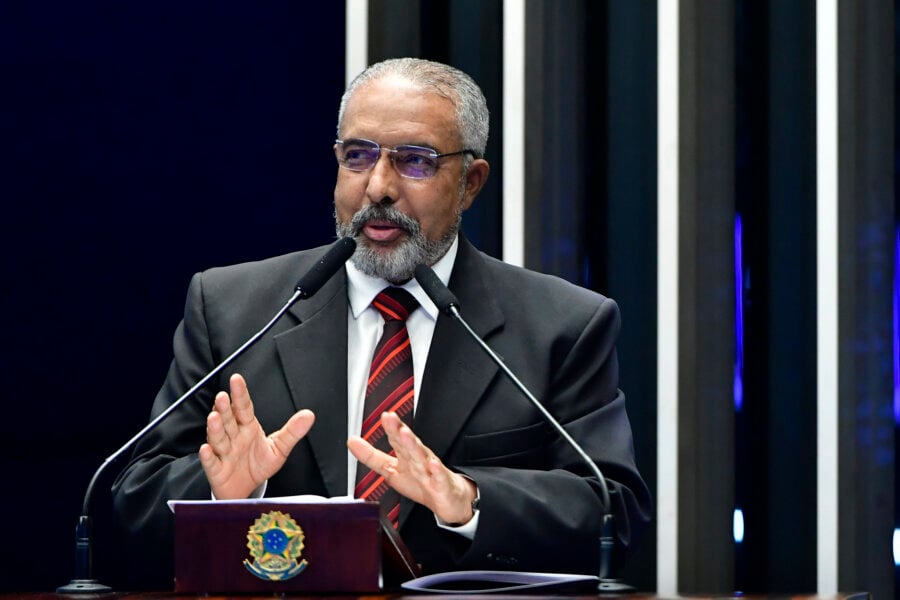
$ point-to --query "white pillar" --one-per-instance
(514, 132)
(827, 295)
(356, 38)
(667, 298)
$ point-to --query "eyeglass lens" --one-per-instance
(414, 162)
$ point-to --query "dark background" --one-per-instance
(142, 141)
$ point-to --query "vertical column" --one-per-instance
(356, 42)
(827, 294)
(706, 206)
(623, 254)
(789, 380)
(394, 29)
(514, 132)
(467, 35)
(476, 46)
(555, 135)
(667, 522)
(865, 212)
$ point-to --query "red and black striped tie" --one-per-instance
(390, 388)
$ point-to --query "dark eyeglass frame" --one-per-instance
(402, 169)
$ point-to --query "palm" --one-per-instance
(238, 456)
(415, 472)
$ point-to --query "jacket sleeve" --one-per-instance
(549, 517)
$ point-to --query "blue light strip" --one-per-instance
(897, 325)
(739, 314)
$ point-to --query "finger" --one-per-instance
(241, 404)
(208, 460)
(368, 454)
(391, 422)
(222, 407)
(406, 444)
(394, 428)
(293, 431)
(216, 436)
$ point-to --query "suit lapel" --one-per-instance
(313, 356)
(458, 371)
(314, 359)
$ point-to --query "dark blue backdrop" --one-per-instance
(142, 142)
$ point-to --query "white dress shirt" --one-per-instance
(364, 326)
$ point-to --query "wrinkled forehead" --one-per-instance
(392, 103)
(399, 86)
(422, 84)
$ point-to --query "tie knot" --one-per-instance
(395, 304)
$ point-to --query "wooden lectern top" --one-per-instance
(282, 548)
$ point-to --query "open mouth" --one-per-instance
(382, 231)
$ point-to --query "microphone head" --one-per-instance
(439, 293)
(327, 266)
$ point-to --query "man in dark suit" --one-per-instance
(484, 482)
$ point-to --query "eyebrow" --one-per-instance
(417, 143)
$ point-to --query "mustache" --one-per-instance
(380, 212)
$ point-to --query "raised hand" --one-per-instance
(417, 473)
(238, 456)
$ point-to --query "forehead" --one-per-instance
(393, 110)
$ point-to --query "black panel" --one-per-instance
(476, 47)
(706, 296)
(776, 198)
(467, 34)
(395, 28)
(752, 365)
(791, 299)
(620, 212)
(555, 134)
(866, 261)
(143, 142)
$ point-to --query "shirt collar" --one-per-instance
(362, 288)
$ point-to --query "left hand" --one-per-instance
(417, 473)
(238, 456)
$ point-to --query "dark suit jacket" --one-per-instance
(540, 508)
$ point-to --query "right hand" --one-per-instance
(238, 456)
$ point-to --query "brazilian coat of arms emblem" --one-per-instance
(275, 542)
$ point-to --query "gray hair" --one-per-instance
(472, 118)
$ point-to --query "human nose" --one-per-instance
(383, 179)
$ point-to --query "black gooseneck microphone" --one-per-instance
(446, 302)
(309, 284)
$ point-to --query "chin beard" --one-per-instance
(395, 265)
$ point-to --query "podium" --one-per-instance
(283, 547)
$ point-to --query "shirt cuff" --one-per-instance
(257, 493)
(467, 530)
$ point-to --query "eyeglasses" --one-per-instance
(414, 162)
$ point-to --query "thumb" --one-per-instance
(293, 431)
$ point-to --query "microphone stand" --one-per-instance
(444, 299)
(83, 582)
(309, 284)
(607, 584)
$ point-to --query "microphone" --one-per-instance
(447, 303)
(309, 284)
(323, 270)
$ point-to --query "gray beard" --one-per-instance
(397, 265)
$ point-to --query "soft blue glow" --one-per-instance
(897, 547)
(738, 314)
(896, 335)
(739, 528)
